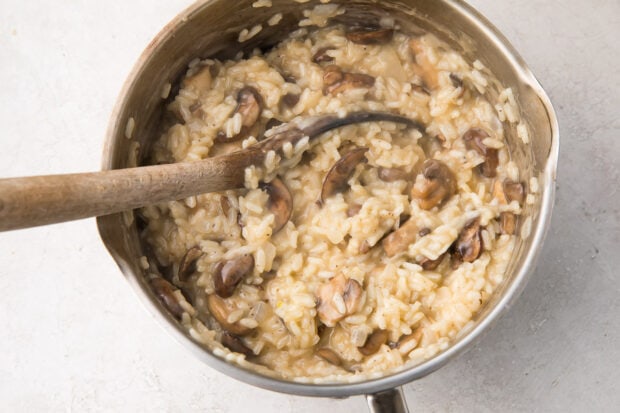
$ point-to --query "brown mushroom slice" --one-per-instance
(429, 265)
(338, 298)
(234, 343)
(507, 223)
(352, 296)
(220, 310)
(336, 81)
(200, 81)
(399, 240)
(424, 232)
(438, 185)
(249, 106)
(369, 35)
(280, 202)
(468, 245)
(195, 106)
(507, 191)
(336, 179)
(392, 174)
(473, 141)
(364, 247)
(272, 123)
(374, 342)
(457, 82)
(321, 55)
(514, 191)
(421, 89)
(228, 274)
(187, 266)
(164, 291)
(329, 356)
(407, 343)
(289, 100)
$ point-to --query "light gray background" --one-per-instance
(74, 338)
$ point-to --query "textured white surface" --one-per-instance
(74, 338)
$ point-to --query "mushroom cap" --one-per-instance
(336, 178)
(280, 202)
(369, 35)
(228, 274)
(438, 185)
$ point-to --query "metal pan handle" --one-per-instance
(388, 401)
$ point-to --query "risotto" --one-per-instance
(365, 250)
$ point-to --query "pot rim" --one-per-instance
(406, 375)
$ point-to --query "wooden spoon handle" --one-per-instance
(39, 200)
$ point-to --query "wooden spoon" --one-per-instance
(40, 200)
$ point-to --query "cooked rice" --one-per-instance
(129, 127)
(262, 3)
(275, 19)
(278, 298)
(246, 34)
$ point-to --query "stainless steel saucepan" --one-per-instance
(210, 28)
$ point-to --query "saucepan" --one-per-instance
(211, 29)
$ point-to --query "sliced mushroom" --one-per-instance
(164, 291)
(399, 240)
(195, 106)
(468, 245)
(321, 55)
(507, 191)
(272, 123)
(352, 296)
(457, 82)
(409, 342)
(392, 174)
(336, 179)
(374, 342)
(200, 81)
(420, 89)
(329, 356)
(473, 141)
(234, 343)
(280, 202)
(337, 299)
(187, 266)
(430, 265)
(220, 310)
(438, 185)
(249, 106)
(369, 35)
(336, 81)
(424, 232)
(364, 247)
(514, 191)
(289, 100)
(507, 223)
(228, 274)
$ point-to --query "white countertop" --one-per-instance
(73, 337)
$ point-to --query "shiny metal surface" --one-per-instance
(391, 401)
(207, 29)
